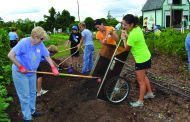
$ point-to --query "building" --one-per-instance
(158, 12)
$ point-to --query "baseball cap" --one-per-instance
(74, 28)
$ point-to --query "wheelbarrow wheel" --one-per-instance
(117, 90)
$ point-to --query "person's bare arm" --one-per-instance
(124, 36)
(102, 41)
(67, 44)
(49, 60)
(82, 40)
(114, 35)
(12, 56)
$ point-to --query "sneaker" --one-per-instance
(124, 85)
(42, 92)
(27, 121)
(36, 114)
(78, 65)
(71, 66)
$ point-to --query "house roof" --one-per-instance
(152, 5)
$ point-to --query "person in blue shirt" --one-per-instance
(89, 47)
(75, 38)
(26, 56)
(13, 38)
(53, 50)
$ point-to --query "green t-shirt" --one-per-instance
(139, 48)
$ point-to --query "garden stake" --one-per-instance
(71, 75)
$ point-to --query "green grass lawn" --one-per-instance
(62, 40)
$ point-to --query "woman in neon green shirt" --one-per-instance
(136, 44)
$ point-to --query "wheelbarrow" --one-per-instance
(109, 65)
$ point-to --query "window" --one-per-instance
(176, 2)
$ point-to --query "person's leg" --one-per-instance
(141, 80)
(77, 60)
(21, 83)
(91, 58)
(86, 58)
(32, 89)
(187, 45)
(148, 87)
(39, 84)
(72, 60)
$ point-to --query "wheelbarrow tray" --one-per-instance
(102, 67)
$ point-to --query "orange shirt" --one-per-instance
(110, 40)
(17, 35)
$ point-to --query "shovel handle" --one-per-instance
(72, 75)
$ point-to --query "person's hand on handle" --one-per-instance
(23, 69)
(124, 34)
(110, 32)
(55, 71)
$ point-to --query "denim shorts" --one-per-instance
(144, 65)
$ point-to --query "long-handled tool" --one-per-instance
(61, 69)
(67, 49)
(62, 74)
(68, 57)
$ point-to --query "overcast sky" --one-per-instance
(35, 9)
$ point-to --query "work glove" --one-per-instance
(59, 68)
(55, 71)
(23, 69)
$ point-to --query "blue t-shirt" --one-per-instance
(12, 36)
(88, 40)
(43, 59)
(29, 56)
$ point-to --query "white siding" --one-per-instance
(169, 1)
(151, 18)
(184, 1)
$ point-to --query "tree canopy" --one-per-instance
(58, 20)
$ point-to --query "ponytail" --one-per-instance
(129, 18)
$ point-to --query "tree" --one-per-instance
(109, 17)
(1, 19)
(50, 19)
(1, 22)
(104, 21)
(89, 23)
(141, 21)
(113, 23)
(24, 28)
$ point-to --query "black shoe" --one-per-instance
(78, 66)
(27, 121)
(71, 66)
(36, 114)
(124, 85)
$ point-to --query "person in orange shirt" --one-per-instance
(16, 30)
(103, 31)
